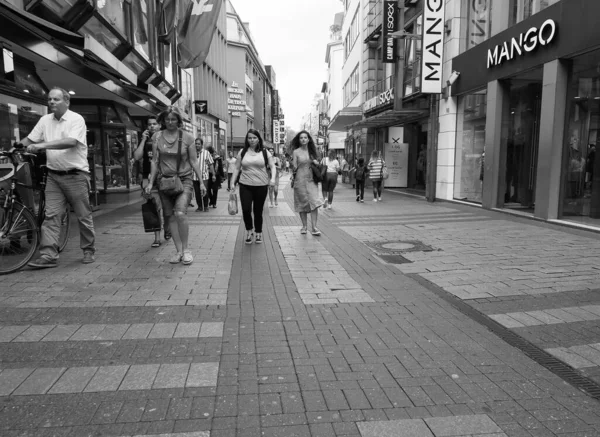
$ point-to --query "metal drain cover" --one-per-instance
(396, 247)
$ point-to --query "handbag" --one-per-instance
(316, 171)
(384, 172)
(172, 186)
(323, 170)
(232, 205)
(150, 217)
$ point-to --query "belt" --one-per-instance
(65, 172)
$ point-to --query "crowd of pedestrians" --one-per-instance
(174, 167)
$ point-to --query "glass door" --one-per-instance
(521, 124)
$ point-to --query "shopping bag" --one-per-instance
(232, 205)
(150, 216)
(384, 173)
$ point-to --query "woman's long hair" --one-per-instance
(170, 110)
(257, 135)
(312, 149)
(374, 155)
(331, 155)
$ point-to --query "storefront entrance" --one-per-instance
(521, 127)
(415, 135)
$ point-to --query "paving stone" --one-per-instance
(61, 333)
(40, 381)
(187, 330)
(211, 329)
(395, 428)
(33, 333)
(107, 378)
(10, 379)
(74, 380)
(462, 425)
(139, 377)
(171, 376)
(138, 331)
(202, 375)
(163, 330)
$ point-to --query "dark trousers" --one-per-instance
(376, 188)
(229, 180)
(213, 192)
(199, 199)
(360, 189)
(253, 199)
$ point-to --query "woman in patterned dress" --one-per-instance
(307, 198)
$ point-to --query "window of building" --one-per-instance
(479, 22)
(140, 27)
(17, 119)
(94, 28)
(351, 86)
(522, 9)
(413, 52)
(470, 147)
(581, 170)
(118, 14)
(351, 36)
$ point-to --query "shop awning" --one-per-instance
(38, 26)
(344, 117)
(389, 118)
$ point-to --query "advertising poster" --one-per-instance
(396, 159)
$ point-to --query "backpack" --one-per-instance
(360, 173)
(266, 158)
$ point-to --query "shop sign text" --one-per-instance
(389, 26)
(525, 43)
(381, 99)
(433, 46)
(236, 103)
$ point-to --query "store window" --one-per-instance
(117, 13)
(470, 147)
(413, 52)
(479, 21)
(523, 9)
(581, 170)
(17, 119)
(140, 28)
(94, 28)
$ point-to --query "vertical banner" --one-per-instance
(390, 25)
(275, 131)
(396, 158)
(433, 46)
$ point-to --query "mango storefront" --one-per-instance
(528, 122)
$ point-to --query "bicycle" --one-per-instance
(20, 225)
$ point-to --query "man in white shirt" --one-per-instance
(62, 134)
(205, 162)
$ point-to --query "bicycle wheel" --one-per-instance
(18, 239)
(65, 226)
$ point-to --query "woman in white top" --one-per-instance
(330, 180)
(253, 162)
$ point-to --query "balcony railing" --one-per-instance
(380, 87)
(374, 21)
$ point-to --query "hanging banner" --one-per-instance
(390, 25)
(433, 46)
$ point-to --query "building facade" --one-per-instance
(250, 98)
(211, 117)
(109, 56)
(527, 106)
(334, 57)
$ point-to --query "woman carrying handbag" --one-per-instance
(307, 198)
(377, 173)
(174, 160)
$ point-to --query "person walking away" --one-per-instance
(306, 191)
(169, 161)
(230, 169)
(62, 135)
(253, 161)
(376, 165)
(219, 175)
(330, 181)
(205, 163)
(143, 155)
(345, 167)
(274, 189)
(361, 174)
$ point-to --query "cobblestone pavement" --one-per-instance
(304, 335)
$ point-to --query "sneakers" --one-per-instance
(176, 258)
(329, 206)
(276, 204)
(325, 204)
(315, 232)
(88, 257)
(379, 200)
(374, 200)
(303, 231)
(167, 234)
(187, 257)
(270, 205)
(43, 263)
(357, 198)
(362, 201)
(258, 238)
(249, 237)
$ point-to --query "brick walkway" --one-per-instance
(303, 335)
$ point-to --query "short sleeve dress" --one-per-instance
(307, 196)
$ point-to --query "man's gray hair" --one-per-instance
(65, 93)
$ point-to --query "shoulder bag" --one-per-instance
(316, 171)
(172, 186)
(323, 168)
(384, 171)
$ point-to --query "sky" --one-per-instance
(292, 36)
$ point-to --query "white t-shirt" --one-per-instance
(332, 166)
(231, 164)
(70, 125)
(254, 170)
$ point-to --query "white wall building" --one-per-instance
(334, 92)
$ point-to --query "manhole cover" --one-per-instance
(398, 246)
(394, 259)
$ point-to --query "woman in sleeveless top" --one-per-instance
(307, 198)
(165, 146)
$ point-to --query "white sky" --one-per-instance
(292, 36)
